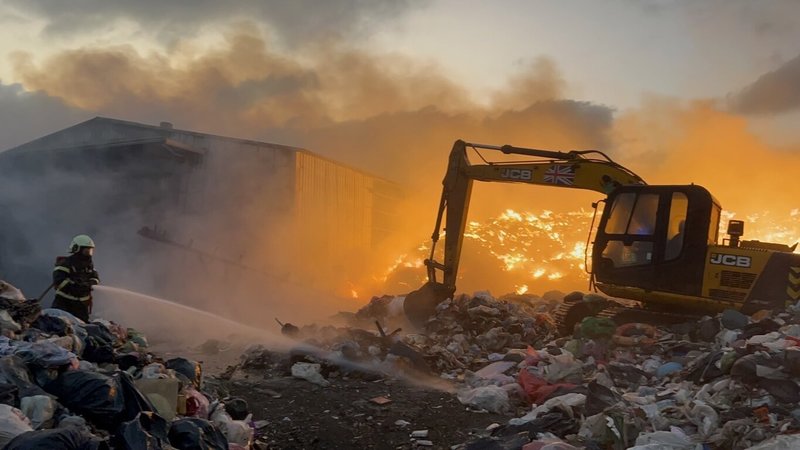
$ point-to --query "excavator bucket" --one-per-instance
(421, 304)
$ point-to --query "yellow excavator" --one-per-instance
(656, 250)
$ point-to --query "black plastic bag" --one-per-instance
(95, 396)
(599, 398)
(148, 431)
(57, 439)
(127, 360)
(100, 333)
(135, 401)
(192, 433)
(236, 408)
(188, 368)
(14, 371)
(105, 401)
(52, 325)
(98, 351)
(9, 394)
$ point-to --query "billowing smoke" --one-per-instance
(385, 113)
(775, 92)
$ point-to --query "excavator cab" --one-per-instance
(654, 238)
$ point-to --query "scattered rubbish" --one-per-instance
(380, 400)
(309, 372)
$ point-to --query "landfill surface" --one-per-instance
(483, 373)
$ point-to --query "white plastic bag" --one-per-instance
(38, 408)
(12, 423)
(491, 398)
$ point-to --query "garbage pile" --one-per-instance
(71, 385)
(723, 382)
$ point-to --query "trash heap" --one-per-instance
(71, 385)
(723, 382)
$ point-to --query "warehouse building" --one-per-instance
(205, 204)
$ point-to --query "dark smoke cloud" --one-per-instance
(389, 115)
(774, 92)
(295, 21)
(26, 115)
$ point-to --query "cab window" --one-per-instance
(620, 213)
(632, 214)
(678, 208)
(643, 220)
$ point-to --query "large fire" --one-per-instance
(527, 252)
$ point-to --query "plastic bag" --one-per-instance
(38, 408)
(7, 322)
(188, 368)
(197, 405)
(148, 431)
(674, 439)
(61, 439)
(9, 292)
(9, 394)
(52, 325)
(236, 431)
(98, 351)
(93, 395)
(101, 333)
(196, 434)
(137, 337)
(103, 400)
(14, 371)
(563, 367)
(491, 398)
(597, 328)
(12, 423)
(45, 354)
(236, 408)
(781, 442)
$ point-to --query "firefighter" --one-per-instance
(73, 278)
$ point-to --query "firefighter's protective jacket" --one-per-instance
(74, 276)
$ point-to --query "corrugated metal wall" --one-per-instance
(335, 202)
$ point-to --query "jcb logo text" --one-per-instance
(517, 174)
(730, 260)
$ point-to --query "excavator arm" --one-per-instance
(588, 169)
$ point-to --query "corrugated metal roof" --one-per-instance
(105, 131)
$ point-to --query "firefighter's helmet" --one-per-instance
(80, 241)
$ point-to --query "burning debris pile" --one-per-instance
(69, 384)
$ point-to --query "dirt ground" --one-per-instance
(300, 415)
(342, 416)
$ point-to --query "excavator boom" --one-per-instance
(588, 169)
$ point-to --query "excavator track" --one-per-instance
(571, 313)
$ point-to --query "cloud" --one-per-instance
(296, 21)
(374, 111)
(774, 92)
(26, 115)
